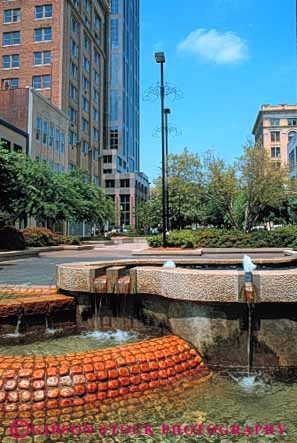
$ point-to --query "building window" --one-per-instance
(95, 114)
(114, 6)
(74, 25)
(96, 96)
(275, 136)
(125, 183)
(85, 147)
(114, 33)
(125, 209)
(45, 132)
(87, 42)
(74, 70)
(73, 92)
(76, 3)
(44, 11)
(291, 135)
(51, 136)
(12, 15)
(85, 125)
(114, 138)
(95, 135)
(10, 83)
(86, 85)
(58, 140)
(73, 48)
(107, 171)
(38, 129)
(85, 104)
(11, 61)
(96, 180)
(86, 64)
(87, 5)
(72, 138)
(42, 81)
(96, 77)
(42, 58)
(292, 121)
(43, 34)
(62, 142)
(95, 154)
(96, 58)
(274, 121)
(114, 105)
(107, 159)
(72, 114)
(275, 152)
(11, 38)
(109, 183)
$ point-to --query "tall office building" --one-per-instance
(274, 128)
(61, 49)
(122, 177)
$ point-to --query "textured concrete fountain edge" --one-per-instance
(279, 285)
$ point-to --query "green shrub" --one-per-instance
(11, 239)
(222, 238)
(38, 237)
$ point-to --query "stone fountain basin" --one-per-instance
(277, 285)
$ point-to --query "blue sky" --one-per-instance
(227, 57)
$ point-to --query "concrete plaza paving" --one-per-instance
(42, 270)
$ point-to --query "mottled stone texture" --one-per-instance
(48, 387)
(189, 284)
(277, 286)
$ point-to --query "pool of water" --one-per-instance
(226, 409)
(83, 342)
(231, 403)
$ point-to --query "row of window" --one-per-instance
(73, 93)
(38, 82)
(276, 121)
(14, 37)
(48, 135)
(14, 15)
(13, 60)
(275, 136)
(74, 50)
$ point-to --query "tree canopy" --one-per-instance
(32, 189)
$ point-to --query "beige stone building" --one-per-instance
(274, 128)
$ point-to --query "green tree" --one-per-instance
(264, 186)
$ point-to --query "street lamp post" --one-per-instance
(160, 59)
(167, 111)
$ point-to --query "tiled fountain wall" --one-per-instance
(205, 307)
(60, 389)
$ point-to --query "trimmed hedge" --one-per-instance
(11, 239)
(222, 238)
(38, 237)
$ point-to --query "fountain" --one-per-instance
(148, 334)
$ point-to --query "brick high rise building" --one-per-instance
(61, 49)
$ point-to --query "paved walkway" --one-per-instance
(42, 270)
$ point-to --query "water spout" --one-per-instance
(17, 333)
(169, 264)
(49, 325)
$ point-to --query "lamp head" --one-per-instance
(167, 111)
(160, 57)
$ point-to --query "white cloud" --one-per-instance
(215, 46)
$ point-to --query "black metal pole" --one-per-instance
(162, 91)
(167, 112)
